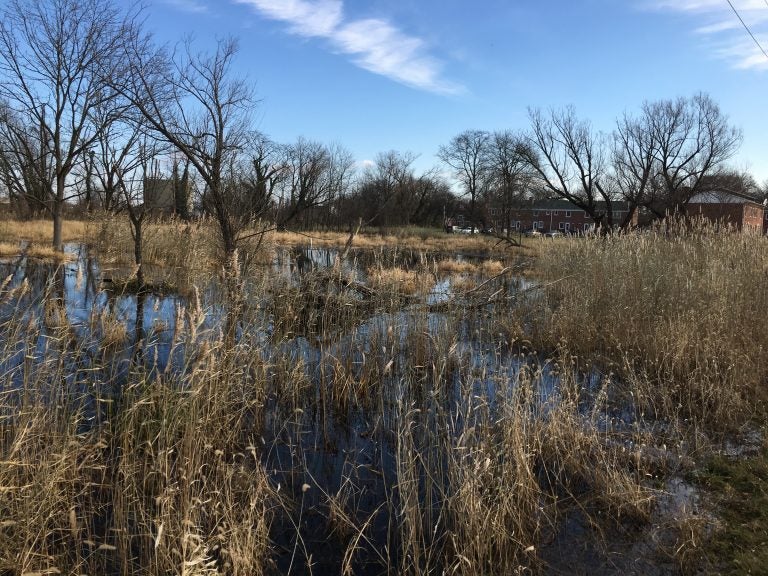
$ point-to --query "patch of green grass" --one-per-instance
(740, 490)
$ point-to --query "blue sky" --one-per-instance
(378, 75)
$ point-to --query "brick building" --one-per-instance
(728, 208)
(561, 215)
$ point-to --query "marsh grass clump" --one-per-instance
(491, 267)
(9, 249)
(113, 330)
(484, 479)
(162, 476)
(400, 281)
(483, 268)
(319, 305)
(34, 251)
(453, 266)
(673, 311)
(175, 252)
(48, 254)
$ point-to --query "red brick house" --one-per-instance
(561, 215)
(728, 208)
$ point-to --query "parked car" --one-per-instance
(553, 234)
(532, 232)
(468, 230)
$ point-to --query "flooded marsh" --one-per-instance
(388, 412)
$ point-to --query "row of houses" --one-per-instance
(725, 208)
(562, 216)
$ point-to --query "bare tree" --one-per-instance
(315, 175)
(341, 174)
(393, 169)
(426, 197)
(568, 160)
(670, 152)
(509, 173)
(249, 183)
(54, 56)
(634, 161)
(25, 168)
(382, 191)
(116, 152)
(466, 153)
(267, 168)
(193, 102)
(130, 178)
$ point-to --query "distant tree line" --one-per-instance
(91, 107)
(653, 162)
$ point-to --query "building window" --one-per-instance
(517, 224)
(561, 225)
(546, 213)
(567, 213)
(535, 212)
(541, 225)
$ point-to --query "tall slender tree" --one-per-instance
(467, 154)
(510, 174)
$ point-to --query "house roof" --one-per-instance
(722, 197)
(561, 204)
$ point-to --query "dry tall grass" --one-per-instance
(351, 430)
(159, 476)
(677, 314)
(433, 240)
(405, 282)
(41, 231)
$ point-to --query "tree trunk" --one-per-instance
(58, 216)
(137, 252)
(234, 297)
(58, 243)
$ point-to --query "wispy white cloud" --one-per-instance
(744, 55)
(318, 18)
(193, 6)
(705, 5)
(375, 45)
(715, 20)
(716, 27)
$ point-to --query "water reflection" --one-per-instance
(97, 313)
(335, 406)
